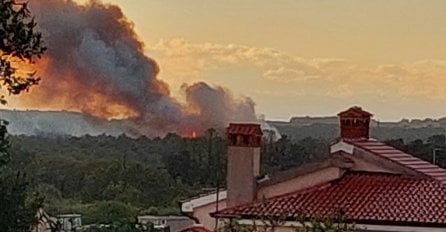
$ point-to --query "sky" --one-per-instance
(303, 57)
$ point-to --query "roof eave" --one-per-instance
(367, 222)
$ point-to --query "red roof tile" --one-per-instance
(407, 160)
(195, 228)
(362, 197)
(244, 129)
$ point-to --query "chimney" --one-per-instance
(243, 166)
(355, 124)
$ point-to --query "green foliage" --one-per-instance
(285, 154)
(336, 223)
(19, 42)
(233, 225)
(146, 173)
(114, 216)
(4, 144)
(49, 191)
(18, 209)
(129, 227)
(111, 212)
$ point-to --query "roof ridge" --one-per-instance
(402, 158)
(368, 173)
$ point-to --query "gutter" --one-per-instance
(371, 227)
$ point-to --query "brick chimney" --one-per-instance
(243, 166)
(355, 124)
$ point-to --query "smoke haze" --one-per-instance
(95, 64)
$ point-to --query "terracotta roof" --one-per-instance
(404, 159)
(244, 129)
(355, 110)
(195, 228)
(372, 198)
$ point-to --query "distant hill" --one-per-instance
(61, 123)
(77, 124)
(328, 128)
(405, 123)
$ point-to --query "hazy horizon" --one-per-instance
(260, 115)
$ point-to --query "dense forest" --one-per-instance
(100, 176)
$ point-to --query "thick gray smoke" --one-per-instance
(95, 64)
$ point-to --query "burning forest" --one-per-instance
(95, 65)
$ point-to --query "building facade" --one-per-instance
(166, 223)
(370, 183)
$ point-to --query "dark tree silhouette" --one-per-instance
(20, 43)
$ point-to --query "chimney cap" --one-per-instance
(355, 124)
(245, 129)
(355, 111)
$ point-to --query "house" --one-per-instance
(166, 223)
(69, 222)
(372, 184)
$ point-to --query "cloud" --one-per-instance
(287, 75)
(325, 77)
(208, 56)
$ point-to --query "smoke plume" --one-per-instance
(95, 64)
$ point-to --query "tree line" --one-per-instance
(93, 174)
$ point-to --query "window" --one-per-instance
(347, 122)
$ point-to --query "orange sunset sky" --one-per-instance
(303, 57)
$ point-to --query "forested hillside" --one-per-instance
(95, 174)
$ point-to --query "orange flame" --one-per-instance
(69, 94)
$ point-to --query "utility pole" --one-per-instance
(210, 162)
(217, 181)
(434, 155)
